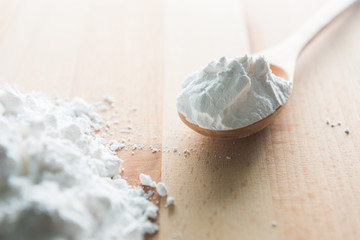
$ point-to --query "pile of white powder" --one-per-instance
(232, 93)
(58, 180)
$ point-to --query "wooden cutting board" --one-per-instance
(299, 172)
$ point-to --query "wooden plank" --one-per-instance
(313, 168)
(216, 197)
(299, 171)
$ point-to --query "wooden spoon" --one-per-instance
(282, 60)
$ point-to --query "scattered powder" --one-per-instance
(114, 145)
(339, 123)
(228, 157)
(106, 104)
(154, 149)
(125, 131)
(327, 121)
(347, 131)
(109, 99)
(332, 125)
(149, 194)
(161, 189)
(58, 179)
(146, 180)
(274, 223)
(232, 93)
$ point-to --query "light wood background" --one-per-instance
(298, 172)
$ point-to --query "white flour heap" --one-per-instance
(232, 93)
(58, 180)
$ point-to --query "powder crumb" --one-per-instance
(228, 157)
(161, 189)
(109, 99)
(339, 123)
(132, 153)
(125, 131)
(327, 121)
(146, 180)
(274, 223)
(97, 127)
(106, 104)
(108, 123)
(347, 131)
(332, 125)
(169, 201)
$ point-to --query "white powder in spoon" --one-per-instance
(232, 93)
(58, 180)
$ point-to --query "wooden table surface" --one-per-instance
(299, 172)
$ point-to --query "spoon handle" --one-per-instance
(318, 22)
(286, 53)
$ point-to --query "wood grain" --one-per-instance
(216, 197)
(314, 171)
(298, 171)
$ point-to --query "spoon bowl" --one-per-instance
(243, 131)
(282, 60)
